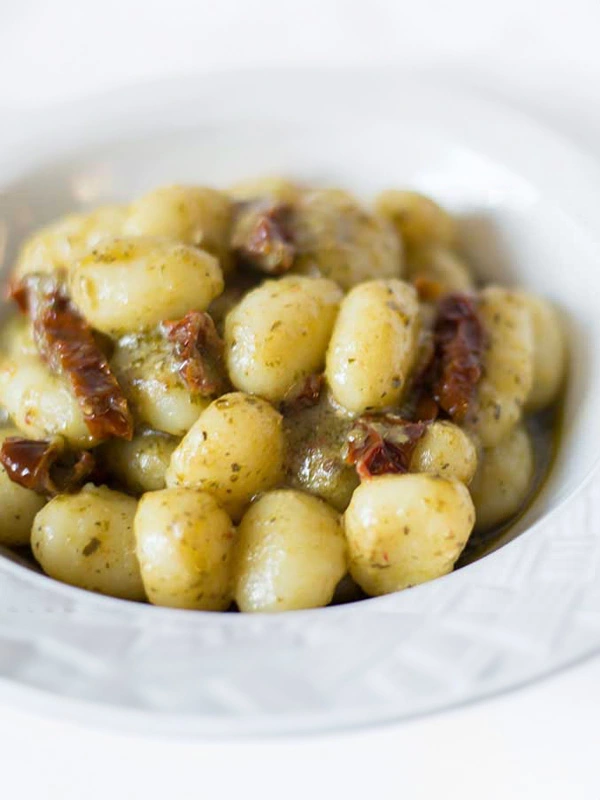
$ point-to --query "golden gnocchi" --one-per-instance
(87, 540)
(278, 334)
(406, 529)
(368, 366)
(184, 545)
(291, 553)
(234, 451)
(128, 284)
(266, 397)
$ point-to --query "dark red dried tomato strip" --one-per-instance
(446, 379)
(199, 348)
(47, 467)
(459, 339)
(66, 342)
(383, 444)
(305, 394)
(262, 236)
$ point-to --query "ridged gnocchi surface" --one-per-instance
(267, 397)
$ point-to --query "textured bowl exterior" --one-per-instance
(525, 610)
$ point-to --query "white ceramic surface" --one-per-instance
(528, 202)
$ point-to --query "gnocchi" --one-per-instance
(58, 246)
(504, 479)
(128, 284)
(442, 268)
(184, 544)
(418, 219)
(147, 371)
(368, 366)
(406, 529)
(266, 397)
(445, 450)
(87, 540)
(234, 451)
(141, 464)
(291, 553)
(41, 403)
(278, 334)
(508, 365)
(193, 215)
(338, 239)
(549, 352)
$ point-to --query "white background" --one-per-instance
(542, 741)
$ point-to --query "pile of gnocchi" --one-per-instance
(265, 398)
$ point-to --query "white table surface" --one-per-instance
(540, 741)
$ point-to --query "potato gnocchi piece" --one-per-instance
(291, 553)
(273, 188)
(86, 540)
(447, 451)
(193, 215)
(41, 403)
(278, 334)
(184, 544)
(403, 530)
(508, 363)
(18, 506)
(549, 352)
(128, 284)
(234, 451)
(441, 267)
(504, 479)
(337, 239)
(141, 464)
(60, 244)
(148, 374)
(373, 345)
(418, 220)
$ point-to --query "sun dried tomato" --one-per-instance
(382, 444)
(45, 466)
(446, 379)
(459, 339)
(67, 343)
(199, 349)
(262, 236)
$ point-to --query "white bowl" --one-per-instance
(529, 203)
